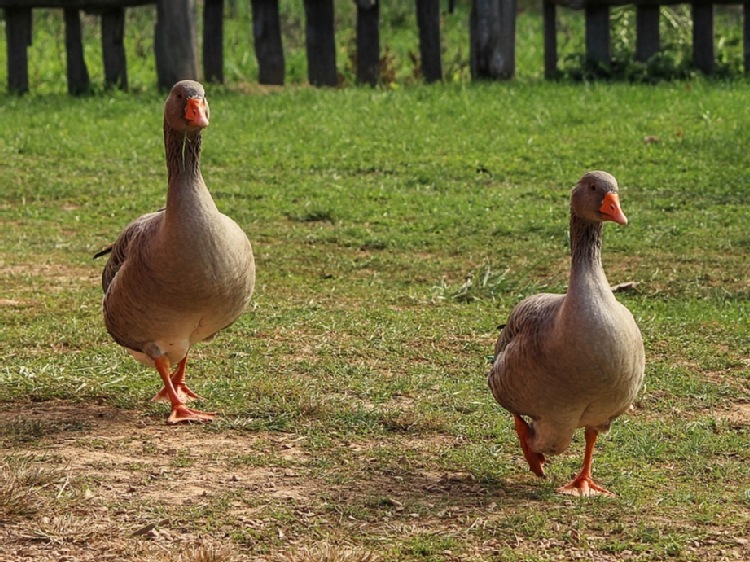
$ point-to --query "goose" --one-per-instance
(573, 360)
(177, 276)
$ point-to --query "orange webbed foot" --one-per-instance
(535, 460)
(583, 486)
(182, 414)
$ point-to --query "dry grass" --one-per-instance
(329, 553)
(26, 480)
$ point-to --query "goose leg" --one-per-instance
(583, 484)
(180, 412)
(178, 382)
(535, 460)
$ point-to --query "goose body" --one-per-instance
(180, 275)
(572, 360)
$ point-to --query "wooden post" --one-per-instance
(78, 74)
(18, 39)
(175, 42)
(368, 42)
(703, 37)
(550, 39)
(213, 41)
(320, 43)
(493, 39)
(746, 35)
(113, 48)
(647, 31)
(428, 21)
(597, 34)
(267, 37)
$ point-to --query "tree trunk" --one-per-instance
(267, 37)
(175, 43)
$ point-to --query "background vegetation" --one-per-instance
(394, 228)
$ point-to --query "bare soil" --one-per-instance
(127, 487)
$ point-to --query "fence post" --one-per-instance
(428, 21)
(18, 38)
(268, 47)
(113, 48)
(213, 41)
(550, 39)
(175, 42)
(78, 74)
(597, 34)
(493, 39)
(647, 32)
(703, 37)
(320, 42)
(368, 42)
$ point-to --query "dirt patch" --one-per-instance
(738, 415)
(119, 473)
(86, 436)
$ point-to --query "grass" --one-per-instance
(394, 229)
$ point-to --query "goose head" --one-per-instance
(186, 109)
(596, 198)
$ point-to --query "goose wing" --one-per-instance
(129, 242)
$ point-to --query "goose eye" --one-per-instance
(592, 187)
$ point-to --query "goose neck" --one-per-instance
(183, 153)
(586, 255)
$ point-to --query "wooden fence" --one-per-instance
(491, 36)
(492, 31)
(492, 43)
(597, 29)
(174, 41)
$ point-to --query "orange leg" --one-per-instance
(178, 382)
(583, 484)
(535, 460)
(180, 412)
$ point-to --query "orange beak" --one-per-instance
(611, 209)
(196, 113)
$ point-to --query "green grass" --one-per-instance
(368, 210)
(354, 411)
